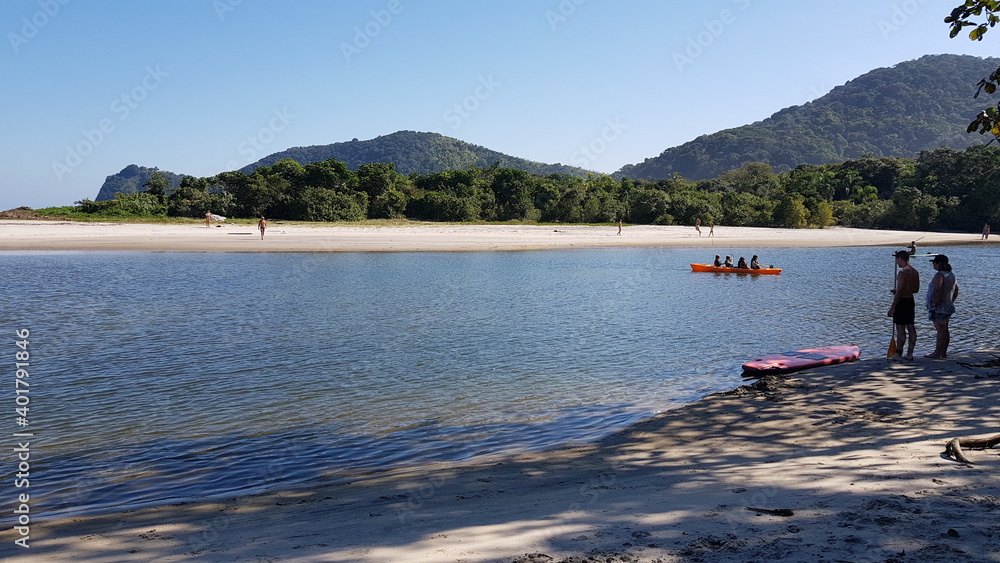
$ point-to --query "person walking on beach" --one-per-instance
(262, 224)
(903, 307)
(986, 232)
(208, 218)
(941, 294)
(711, 229)
(697, 226)
(619, 227)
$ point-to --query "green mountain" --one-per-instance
(896, 112)
(410, 151)
(131, 179)
(413, 152)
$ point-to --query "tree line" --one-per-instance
(941, 189)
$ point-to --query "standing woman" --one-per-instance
(941, 296)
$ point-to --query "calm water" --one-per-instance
(158, 377)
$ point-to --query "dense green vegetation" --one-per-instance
(413, 152)
(940, 189)
(131, 180)
(893, 112)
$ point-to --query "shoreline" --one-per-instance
(433, 237)
(839, 463)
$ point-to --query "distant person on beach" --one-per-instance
(262, 224)
(742, 263)
(941, 294)
(619, 227)
(718, 261)
(729, 262)
(754, 264)
(697, 226)
(986, 232)
(903, 307)
(208, 218)
(711, 229)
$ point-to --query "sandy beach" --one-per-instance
(68, 235)
(842, 463)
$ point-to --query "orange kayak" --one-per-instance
(725, 270)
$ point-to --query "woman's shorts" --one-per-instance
(939, 317)
(905, 312)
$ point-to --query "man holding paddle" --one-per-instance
(903, 307)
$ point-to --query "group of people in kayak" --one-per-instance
(742, 264)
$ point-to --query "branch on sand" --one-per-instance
(955, 445)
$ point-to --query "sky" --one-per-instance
(203, 86)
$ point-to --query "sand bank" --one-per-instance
(68, 235)
(842, 463)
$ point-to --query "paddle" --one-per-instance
(892, 342)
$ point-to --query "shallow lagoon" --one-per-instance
(160, 377)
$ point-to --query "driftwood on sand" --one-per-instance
(955, 445)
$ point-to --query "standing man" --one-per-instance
(697, 226)
(941, 296)
(208, 218)
(902, 310)
(262, 224)
(986, 232)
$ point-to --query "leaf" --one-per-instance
(973, 126)
(990, 88)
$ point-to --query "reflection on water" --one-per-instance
(167, 376)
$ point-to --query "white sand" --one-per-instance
(66, 235)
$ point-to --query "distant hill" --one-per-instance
(131, 179)
(410, 151)
(414, 152)
(898, 111)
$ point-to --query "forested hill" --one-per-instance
(414, 152)
(897, 112)
(131, 180)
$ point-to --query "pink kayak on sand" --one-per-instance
(788, 362)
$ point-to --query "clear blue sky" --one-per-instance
(202, 86)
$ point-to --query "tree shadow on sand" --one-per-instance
(841, 463)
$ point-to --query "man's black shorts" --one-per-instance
(904, 314)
